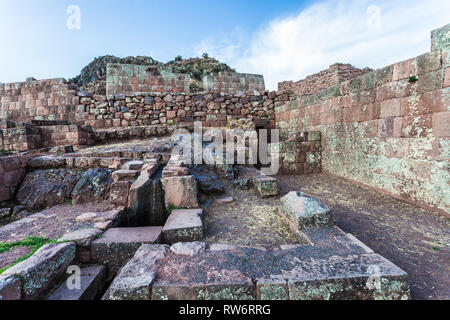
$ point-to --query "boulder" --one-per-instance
(208, 182)
(43, 269)
(304, 211)
(93, 186)
(47, 188)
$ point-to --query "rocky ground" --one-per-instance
(416, 240)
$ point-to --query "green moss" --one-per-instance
(413, 79)
(33, 242)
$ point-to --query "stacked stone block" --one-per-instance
(388, 129)
(232, 82)
(52, 99)
(127, 78)
(315, 83)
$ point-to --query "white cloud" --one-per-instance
(364, 33)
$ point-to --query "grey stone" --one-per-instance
(266, 186)
(82, 237)
(229, 285)
(188, 248)
(92, 281)
(43, 269)
(45, 162)
(364, 277)
(225, 200)
(10, 288)
(304, 211)
(118, 245)
(124, 175)
(136, 277)
(243, 184)
(146, 202)
(47, 188)
(183, 225)
(5, 212)
(93, 186)
(208, 182)
(133, 165)
(440, 38)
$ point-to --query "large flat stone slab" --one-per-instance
(304, 211)
(118, 245)
(364, 277)
(55, 222)
(136, 277)
(43, 269)
(184, 225)
(335, 267)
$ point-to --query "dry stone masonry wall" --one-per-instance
(388, 129)
(323, 80)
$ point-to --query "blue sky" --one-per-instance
(284, 39)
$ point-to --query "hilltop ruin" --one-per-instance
(88, 178)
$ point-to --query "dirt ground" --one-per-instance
(248, 221)
(416, 240)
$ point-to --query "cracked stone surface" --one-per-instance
(415, 239)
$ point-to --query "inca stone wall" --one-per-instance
(127, 78)
(53, 99)
(231, 82)
(388, 129)
(214, 109)
(325, 79)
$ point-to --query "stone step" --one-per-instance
(42, 270)
(183, 225)
(92, 281)
(335, 267)
(118, 245)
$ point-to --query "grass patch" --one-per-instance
(33, 242)
(171, 208)
(413, 79)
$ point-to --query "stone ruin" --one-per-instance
(91, 182)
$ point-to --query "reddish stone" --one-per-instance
(441, 124)
(447, 78)
(390, 108)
